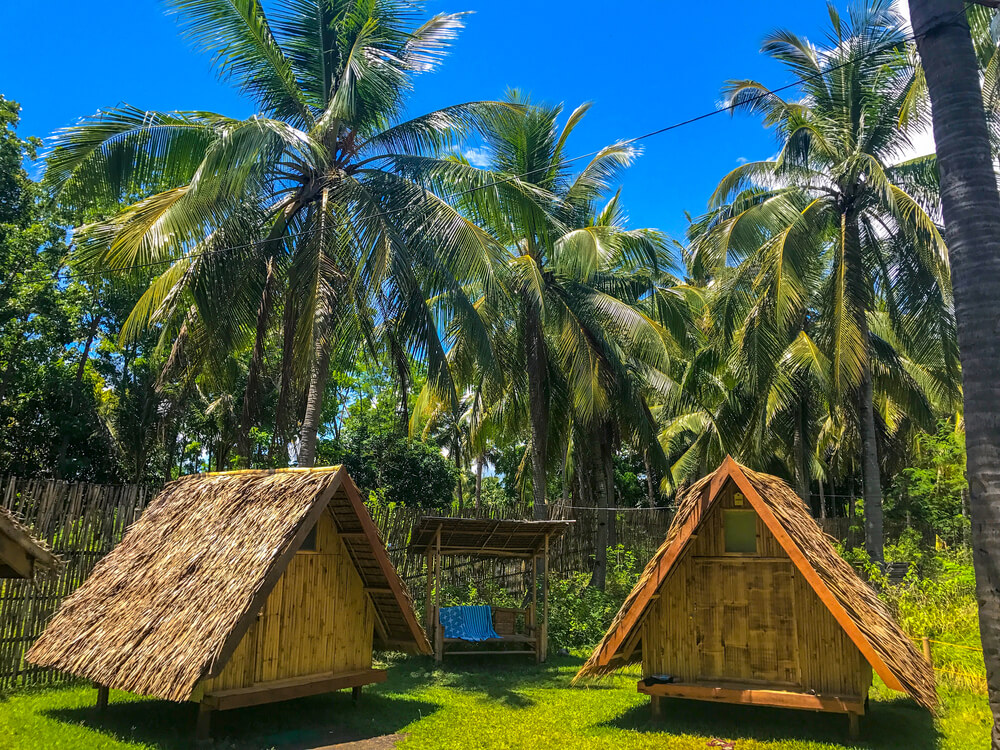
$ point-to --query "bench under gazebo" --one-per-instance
(505, 630)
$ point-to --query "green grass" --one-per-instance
(489, 704)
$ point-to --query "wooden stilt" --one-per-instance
(854, 725)
(203, 728)
(438, 630)
(102, 698)
(654, 704)
(543, 636)
(355, 694)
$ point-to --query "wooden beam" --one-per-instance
(102, 698)
(763, 697)
(283, 690)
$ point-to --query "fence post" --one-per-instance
(927, 649)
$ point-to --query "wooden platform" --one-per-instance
(853, 706)
(283, 690)
(280, 690)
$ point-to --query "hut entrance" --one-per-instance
(505, 630)
(745, 622)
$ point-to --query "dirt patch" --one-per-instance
(384, 742)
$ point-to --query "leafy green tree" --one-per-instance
(317, 207)
(49, 421)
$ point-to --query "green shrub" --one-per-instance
(580, 614)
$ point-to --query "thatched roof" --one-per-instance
(856, 607)
(21, 554)
(485, 536)
(167, 607)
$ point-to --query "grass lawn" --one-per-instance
(492, 704)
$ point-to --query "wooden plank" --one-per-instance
(282, 690)
(753, 696)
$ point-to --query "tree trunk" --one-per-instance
(249, 415)
(872, 476)
(799, 441)
(603, 494)
(479, 482)
(650, 484)
(538, 406)
(971, 209)
(822, 501)
(458, 465)
(309, 434)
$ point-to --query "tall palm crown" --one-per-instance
(585, 320)
(316, 206)
(828, 234)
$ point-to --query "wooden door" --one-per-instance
(745, 621)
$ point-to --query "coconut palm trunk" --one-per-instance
(538, 406)
(309, 434)
(971, 208)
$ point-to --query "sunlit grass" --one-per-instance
(489, 704)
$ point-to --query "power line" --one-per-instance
(731, 107)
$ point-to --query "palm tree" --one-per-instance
(318, 206)
(971, 207)
(837, 192)
(562, 275)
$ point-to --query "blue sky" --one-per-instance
(644, 64)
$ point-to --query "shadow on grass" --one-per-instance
(889, 725)
(498, 678)
(289, 725)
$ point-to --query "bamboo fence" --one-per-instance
(81, 523)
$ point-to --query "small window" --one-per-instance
(741, 531)
(309, 544)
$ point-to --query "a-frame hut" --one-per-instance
(236, 589)
(747, 601)
(21, 554)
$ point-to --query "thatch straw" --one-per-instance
(859, 601)
(155, 614)
(42, 558)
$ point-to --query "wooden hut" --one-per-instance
(518, 630)
(21, 555)
(747, 601)
(236, 589)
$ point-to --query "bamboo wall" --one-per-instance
(318, 618)
(747, 619)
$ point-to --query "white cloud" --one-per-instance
(478, 157)
(742, 160)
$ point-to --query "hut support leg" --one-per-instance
(854, 725)
(355, 694)
(102, 698)
(203, 728)
(654, 704)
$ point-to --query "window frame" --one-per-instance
(742, 513)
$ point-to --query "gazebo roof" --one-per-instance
(485, 537)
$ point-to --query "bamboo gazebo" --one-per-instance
(748, 602)
(238, 589)
(517, 630)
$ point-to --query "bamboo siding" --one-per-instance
(748, 619)
(317, 619)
